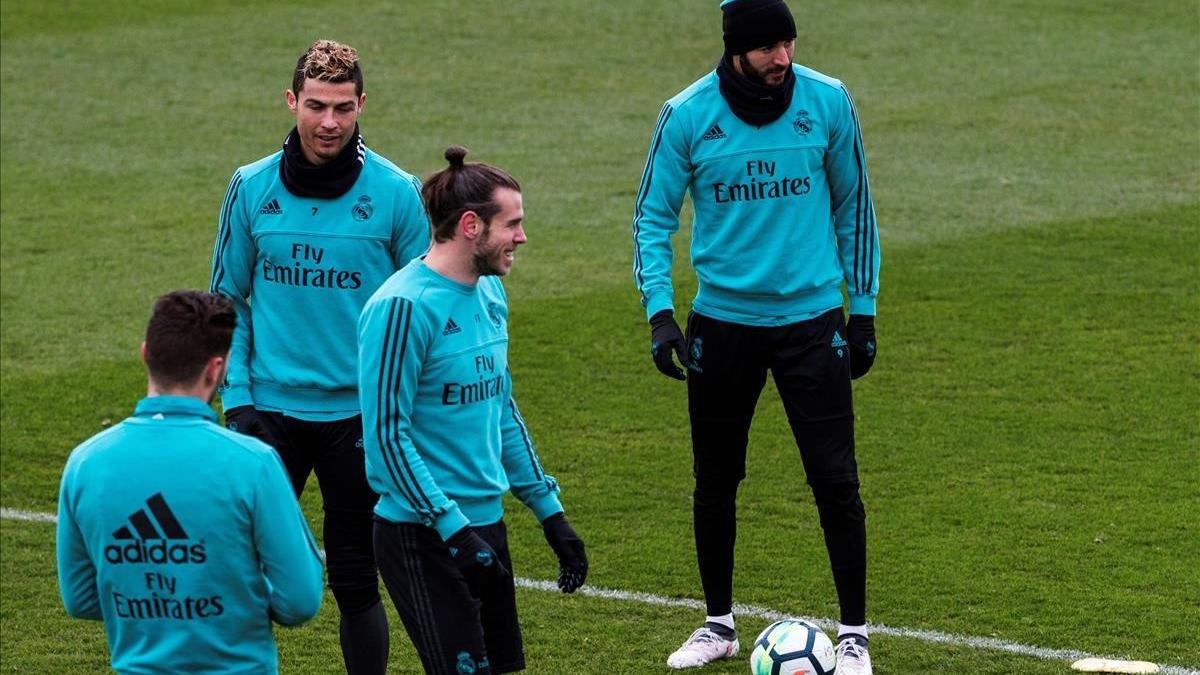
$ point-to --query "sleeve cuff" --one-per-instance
(862, 304)
(450, 522)
(236, 396)
(545, 506)
(657, 303)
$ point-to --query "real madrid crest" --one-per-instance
(496, 314)
(802, 124)
(362, 208)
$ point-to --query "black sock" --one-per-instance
(364, 639)
(721, 629)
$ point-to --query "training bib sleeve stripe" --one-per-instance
(232, 271)
(392, 374)
(290, 558)
(231, 193)
(853, 209)
(392, 423)
(656, 212)
(527, 480)
(410, 235)
(641, 196)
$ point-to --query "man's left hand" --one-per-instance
(860, 333)
(572, 561)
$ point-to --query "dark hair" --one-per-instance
(462, 187)
(329, 61)
(186, 329)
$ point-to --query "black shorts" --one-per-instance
(455, 627)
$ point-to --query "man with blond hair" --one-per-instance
(306, 236)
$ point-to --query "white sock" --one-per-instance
(857, 630)
(724, 620)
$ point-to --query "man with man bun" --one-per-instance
(444, 437)
(783, 222)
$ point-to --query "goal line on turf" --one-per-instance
(768, 614)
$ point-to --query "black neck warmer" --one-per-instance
(752, 101)
(327, 181)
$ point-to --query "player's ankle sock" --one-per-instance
(721, 625)
(364, 638)
(858, 633)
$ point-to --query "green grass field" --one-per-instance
(1029, 440)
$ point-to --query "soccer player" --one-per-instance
(772, 156)
(181, 536)
(306, 235)
(444, 436)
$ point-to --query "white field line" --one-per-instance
(769, 614)
(33, 516)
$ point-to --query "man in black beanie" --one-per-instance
(783, 239)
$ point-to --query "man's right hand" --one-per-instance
(243, 419)
(476, 559)
(860, 332)
(665, 339)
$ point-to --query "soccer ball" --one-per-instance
(792, 647)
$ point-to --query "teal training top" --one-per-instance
(186, 540)
(782, 212)
(444, 437)
(299, 270)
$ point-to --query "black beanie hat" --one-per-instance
(750, 24)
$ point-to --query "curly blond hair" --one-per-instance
(329, 61)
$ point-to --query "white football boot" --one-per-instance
(852, 659)
(703, 647)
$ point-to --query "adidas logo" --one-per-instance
(714, 133)
(837, 340)
(151, 544)
(451, 328)
(272, 208)
(145, 527)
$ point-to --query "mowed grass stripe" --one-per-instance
(744, 611)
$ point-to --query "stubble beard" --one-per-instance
(483, 266)
(759, 76)
(483, 255)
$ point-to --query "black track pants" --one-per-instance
(810, 363)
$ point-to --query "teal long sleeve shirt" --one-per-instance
(444, 437)
(186, 540)
(783, 217)
(299, 270)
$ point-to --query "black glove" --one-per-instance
(572, 561)
(476, 559)
(665, 338)
(244, 419)
(860, 333)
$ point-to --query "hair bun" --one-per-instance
(455, 155)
